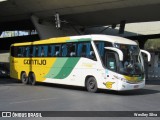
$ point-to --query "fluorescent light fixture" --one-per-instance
(2, 0)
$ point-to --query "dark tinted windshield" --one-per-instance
(131, 63)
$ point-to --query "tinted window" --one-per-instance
(100, 46)
(35, 51)
(72, 50)
(43, 51)
(85, 50)
(51, 50)
(57, 50)
(64, 50)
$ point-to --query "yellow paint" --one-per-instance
(17, 66)
(48, 41)
(109, 84)
(131, 79)
(87, 65)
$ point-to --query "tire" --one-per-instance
(91, 85)
(24, 78)
(32, 79)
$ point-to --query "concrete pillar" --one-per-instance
(47, 29)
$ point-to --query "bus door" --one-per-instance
(111, 60)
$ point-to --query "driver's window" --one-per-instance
(111, 61)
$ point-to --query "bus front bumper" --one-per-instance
(123, 86)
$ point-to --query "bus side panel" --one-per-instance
(15, 67)
(83, 68)
(69, 71)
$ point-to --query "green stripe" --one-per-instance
(67, 68)
(62, 68)
(56, 67)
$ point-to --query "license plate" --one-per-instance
(136, 86)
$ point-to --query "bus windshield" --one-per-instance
(131, 64)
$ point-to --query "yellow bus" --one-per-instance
(91, 61)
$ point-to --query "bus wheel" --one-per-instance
(91, 85)
(32, 79)
(24, 78)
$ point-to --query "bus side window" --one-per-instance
(72, 50)
(23, 51)
(64, 50)
(20, 52)
(43, 51)
(27, 51)
(57, 51)
(90, 53)
(52, 50)
(39, 51)
(100, 47)
(88, 49)
(79, 50)
(35, 51)
(83, 51)
(31, 51)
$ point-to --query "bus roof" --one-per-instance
(93, 37)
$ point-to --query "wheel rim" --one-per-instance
(24, 78)
(31, 79)
(91, 84)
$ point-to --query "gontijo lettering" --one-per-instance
(35, 62)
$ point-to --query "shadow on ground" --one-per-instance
(131, 92)
(8, 81)
(144, 91)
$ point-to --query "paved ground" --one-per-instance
(14, 96)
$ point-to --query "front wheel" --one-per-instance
(32, 79)
(91, 85)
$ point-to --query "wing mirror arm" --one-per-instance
(120, 53)
(147, 53)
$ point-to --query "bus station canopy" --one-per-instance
(152, 44)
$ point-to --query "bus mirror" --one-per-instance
(120, 53)
(147, 53)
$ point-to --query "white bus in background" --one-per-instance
(91, 61)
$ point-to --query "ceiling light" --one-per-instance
(2, 0)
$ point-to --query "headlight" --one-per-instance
(124, 80)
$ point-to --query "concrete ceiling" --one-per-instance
(82, 12)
